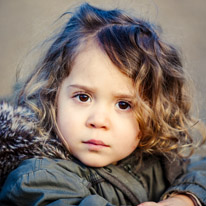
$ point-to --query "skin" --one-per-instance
(95, 110)
(95, 114)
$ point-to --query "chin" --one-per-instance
(95, 163)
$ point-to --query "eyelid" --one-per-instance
(81, 92)
(82, 98)
(130, 105)
(77, 93)
(130, 102)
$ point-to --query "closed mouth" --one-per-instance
(96, 142)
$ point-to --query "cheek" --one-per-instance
(135, 128)
(70, 122)
(67, 130)
(132, 128)
(128, 130)
(133, 133)
(64, 122)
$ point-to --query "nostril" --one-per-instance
(92, 125)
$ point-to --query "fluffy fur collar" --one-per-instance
(22, 138)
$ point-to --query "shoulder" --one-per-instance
(192, 181)
(37, 167)
(19, 137)
(22, 137)
(45, 174)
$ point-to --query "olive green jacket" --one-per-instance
(62, 182)
(38, 172)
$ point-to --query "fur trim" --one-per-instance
(21, 138)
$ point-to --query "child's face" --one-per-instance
(95, 112)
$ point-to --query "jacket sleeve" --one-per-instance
(192, 182)
(47, 187)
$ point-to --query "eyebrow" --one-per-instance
(79, 86)
(116, 95)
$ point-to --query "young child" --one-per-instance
(101, 121)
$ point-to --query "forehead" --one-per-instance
(93, 67)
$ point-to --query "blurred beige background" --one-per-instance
(24, 23)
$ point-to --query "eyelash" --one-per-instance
(128, 105)
(79, 95)
(125, 103)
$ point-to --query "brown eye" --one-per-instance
(123, 105)
(82, 97)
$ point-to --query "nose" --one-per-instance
(98, 118)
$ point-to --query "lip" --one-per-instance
(95, 142)
(94, 145)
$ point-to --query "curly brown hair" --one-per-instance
(163, 99)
